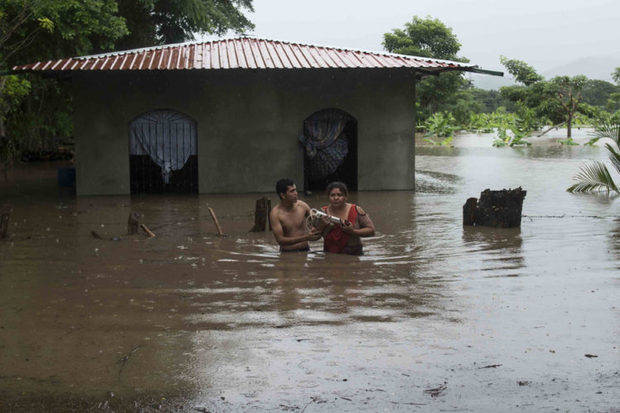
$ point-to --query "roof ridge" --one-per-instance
(225, 39)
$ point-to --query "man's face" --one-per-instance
(291, 194)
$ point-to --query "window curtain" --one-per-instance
(169, 138)
(324, 142)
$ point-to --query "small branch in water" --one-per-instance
(123, 360)
(490, 366)
(147, 230)
(437, 390)
(217, 223)
(553, 127)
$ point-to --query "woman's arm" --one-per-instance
(366, 229)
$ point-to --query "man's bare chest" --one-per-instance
(292, 221)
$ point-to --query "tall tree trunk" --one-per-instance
(4, 152)
(2, 83)
(568, 125)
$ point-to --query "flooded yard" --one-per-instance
(434, 317)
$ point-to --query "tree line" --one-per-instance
(450, 102)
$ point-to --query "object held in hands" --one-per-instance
(316, 216)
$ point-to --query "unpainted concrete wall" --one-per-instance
(248, 124)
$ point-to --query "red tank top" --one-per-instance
(337, 239)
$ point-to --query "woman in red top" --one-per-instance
(344, 239)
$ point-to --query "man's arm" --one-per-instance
(283, 240)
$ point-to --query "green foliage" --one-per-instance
(14, 89)
(440, 124)
(46, 29)
(600, 93)
(558, 99)
(595, 176)
(616, 76)
(607, 125)
(521, 71)
(516, 137)
(39, 30)
(429, 37)
(568, 142)
(511, 129)
(154, 22)
(426, 37)
(487, 100)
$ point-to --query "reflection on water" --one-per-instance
(230, 323)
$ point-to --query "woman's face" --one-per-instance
(337, 197)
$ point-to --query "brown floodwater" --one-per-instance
(434, 317)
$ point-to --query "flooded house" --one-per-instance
(235, 115)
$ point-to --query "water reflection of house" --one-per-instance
(235, 115)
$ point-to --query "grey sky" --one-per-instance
(543, 33)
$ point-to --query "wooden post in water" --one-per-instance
(217, 223)
(261, 213)
(133, 223)
(5, 215)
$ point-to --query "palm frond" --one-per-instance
(614, 157)
(607, 128)
(593, 177)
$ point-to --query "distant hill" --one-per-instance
(594, 67)
(488, 82)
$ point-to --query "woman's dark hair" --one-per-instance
(337, 184)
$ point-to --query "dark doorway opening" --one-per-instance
(332, 134)
(163, 153)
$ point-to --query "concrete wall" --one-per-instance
(248, 124)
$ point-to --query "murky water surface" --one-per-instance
(434, 317)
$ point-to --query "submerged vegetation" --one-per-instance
(595, 176)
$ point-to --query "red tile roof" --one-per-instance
(241, 53)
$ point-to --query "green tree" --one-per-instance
(36, 30)
(429, 37)
(558, 99)
(599, 93)
(521, 71)
(154, 22)
(616, 76)
(564, 96)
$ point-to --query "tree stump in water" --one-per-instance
(469, 211)
(500, 209)
(261, 214)
(5, 214)
(133, 223)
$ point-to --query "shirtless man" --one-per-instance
(288, 219)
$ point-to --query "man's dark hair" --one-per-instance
(283, 184)
(337, 184)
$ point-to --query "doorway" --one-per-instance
(330, 149)
(163, 153)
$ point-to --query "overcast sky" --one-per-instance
(545, 33)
